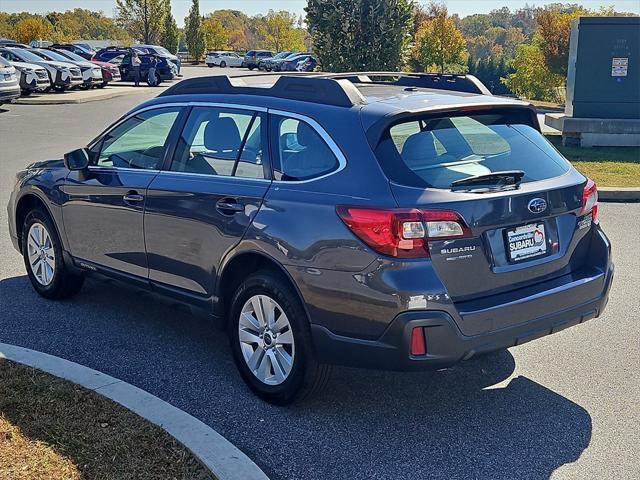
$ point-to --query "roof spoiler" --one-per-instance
(438, 81)
(311, 88)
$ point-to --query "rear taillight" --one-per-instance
(590, 199)
(402, 232)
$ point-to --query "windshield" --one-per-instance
(27, 56)
(72, 56)
(437, 151)
(49, 55)
(163, 51)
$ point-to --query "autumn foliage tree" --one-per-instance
(215, 35)
(34, 28)
(554, 28)
(440, 44)
(279, 32)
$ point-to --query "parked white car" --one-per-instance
(62, 75)
(9, 86)
(91, 73)
(32, 77)
(223, 59)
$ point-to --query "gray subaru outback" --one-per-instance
(379, 220)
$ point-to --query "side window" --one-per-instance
(220, 141)
(300, 151)
(138, 142)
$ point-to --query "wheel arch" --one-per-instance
(28, 202)
(238, 267)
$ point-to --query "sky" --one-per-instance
(252, 7)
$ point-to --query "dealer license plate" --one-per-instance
(526, 242)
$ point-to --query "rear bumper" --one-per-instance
(446, 344)
(9, 94)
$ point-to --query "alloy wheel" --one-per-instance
(266, 340)
(42, 257)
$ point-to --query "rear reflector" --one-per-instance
(402, 232)
(590, 199)
(418, 346)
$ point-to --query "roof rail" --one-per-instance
(439, 81)
(306, 88)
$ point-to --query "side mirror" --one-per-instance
(77, 159)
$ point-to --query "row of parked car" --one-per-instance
(288, 61)
(60, 67)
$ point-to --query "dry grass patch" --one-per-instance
(53, 429)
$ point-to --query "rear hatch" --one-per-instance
(522, 226)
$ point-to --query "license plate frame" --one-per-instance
(526, 242)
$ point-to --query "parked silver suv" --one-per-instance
(9, 86)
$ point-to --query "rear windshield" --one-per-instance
(436, 151)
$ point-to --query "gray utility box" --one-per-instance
(603, 83)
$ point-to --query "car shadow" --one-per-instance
(472, 421)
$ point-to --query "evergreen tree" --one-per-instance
(171, 34)
(360, 34)
(194, 36)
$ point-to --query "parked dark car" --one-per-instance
(308, 64)
(252, 58)
(266, 63)
(165, 69)
(80, 50)
(290, 63)
(108, 53)
(330, 219)
(161, 52)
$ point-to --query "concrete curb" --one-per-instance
(619, 194)
(70, 98)
(216, 453)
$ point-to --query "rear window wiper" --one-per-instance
(504, 180)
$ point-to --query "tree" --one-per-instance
(194, 36)
(554, 27)
(215, 36)
(279, 32)
(531, 78)
(360, 34)
(143, 19)
(35, 28)
(439, 43)
(236, 24)
(170, 33)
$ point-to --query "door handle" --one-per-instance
(133, 197)
(229, 206)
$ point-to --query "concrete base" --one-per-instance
(595, 132)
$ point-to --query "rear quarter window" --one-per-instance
(434, 151)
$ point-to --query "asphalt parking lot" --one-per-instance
(565, 406)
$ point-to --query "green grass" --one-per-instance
(607, 166)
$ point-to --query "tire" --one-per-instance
(251, 68)
(210, 65)
(102, 85)
(49, 275)
(290, 341)
(223, 64)
(26, 93)
(60, 88)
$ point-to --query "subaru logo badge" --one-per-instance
(537, 205)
